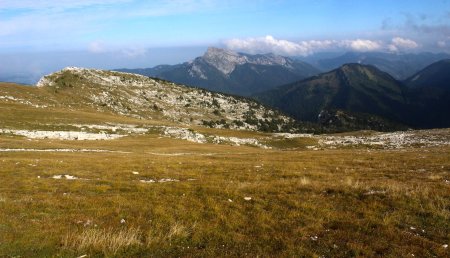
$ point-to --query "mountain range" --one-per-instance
(243, 74)
(230, 72)
(356, 96)
(379, 91)
(353, 96)
(399, 65)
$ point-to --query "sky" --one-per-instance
(132, 33)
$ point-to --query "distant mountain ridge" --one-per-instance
(356, 96)
(399, 65)
(230, 72)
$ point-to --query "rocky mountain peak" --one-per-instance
(224, 60)
(214, 51)
(271, 59)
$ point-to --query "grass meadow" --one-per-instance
(153, 196)
(217, 200)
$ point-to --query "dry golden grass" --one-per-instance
(365, 203)
(106, 241)
(348, 202)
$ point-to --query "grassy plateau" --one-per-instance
(148, 195)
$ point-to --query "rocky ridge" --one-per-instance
(146, 98)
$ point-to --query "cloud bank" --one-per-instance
(303, 48)
(402, 44)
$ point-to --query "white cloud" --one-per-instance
(404, 43)
(399, 44)
(270, 44)
(267, 44)
(362, 45)
(285, 47)
(441, 43)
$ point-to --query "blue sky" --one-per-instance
(100, 25)
(131, 28)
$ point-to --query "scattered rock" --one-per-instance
(60, 150)
(147, 181)
(238, 141)
(185, 134)
(62, 135)
(372, 192)
(67, 177)
(164, 180)
(394, 140)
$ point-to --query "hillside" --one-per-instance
(429, 94)
(230, 72)
(436, 75)
(351, 97)
(145, 98)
